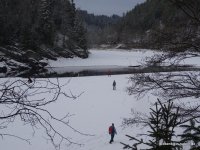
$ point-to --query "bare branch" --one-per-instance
(27, 100)
(17, 137)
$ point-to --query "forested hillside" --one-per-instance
(147, 23)
(100, 28)
(156, 24)
(31, 30)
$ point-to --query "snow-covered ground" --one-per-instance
(113, 57)
(110, 57)
(91, 113)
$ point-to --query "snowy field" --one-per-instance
(91, 113)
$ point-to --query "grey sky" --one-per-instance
(107, 7)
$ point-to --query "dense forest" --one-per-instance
(155, 23)
(152, 24)
(101, 29)
(35, 29)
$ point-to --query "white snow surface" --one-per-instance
(111, 57)
(93, 112)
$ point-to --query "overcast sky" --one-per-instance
(107, 7)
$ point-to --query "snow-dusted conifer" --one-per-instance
(46, 22)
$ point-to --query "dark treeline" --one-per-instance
(156, 24)
(101, 29)
(152, 24)
(98, 20)
(31, 30)
(33, 23)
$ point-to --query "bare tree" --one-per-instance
(173, 85)
(27, 101)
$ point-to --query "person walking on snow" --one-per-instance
(112, 131)
(114, 85)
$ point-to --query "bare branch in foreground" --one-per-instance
(28, 101)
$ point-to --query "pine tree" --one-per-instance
(28, 36)
(79, 35)
(162, 122)
(46, 27)
(191, 134)
(3, 36)
(76, 32)
(35, 24)
(71, 11)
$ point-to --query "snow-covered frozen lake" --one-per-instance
(94, 111)
(113, 57)
(110, 57)
(105, 61)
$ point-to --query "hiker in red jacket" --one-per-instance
(112, 131)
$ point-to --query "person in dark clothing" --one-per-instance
(112, 132)
(29, 80)
(109, 73)
(114, 85)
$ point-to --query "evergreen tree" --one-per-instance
(79, 34)
(28, 32)
(46, 27)
(162, 122)
(37, 24)
(76, 32)
(70, 25)
(191, 134)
